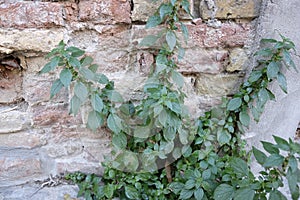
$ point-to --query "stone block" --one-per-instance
(230, 9)
(23, 139)
(29, 14)
(218, 85)
(10, 84)
(29, 40)
(13, 121)
(69, 148)
(200, 60)
(105, 11)
(237, 60)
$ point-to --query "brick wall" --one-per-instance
(38, 137)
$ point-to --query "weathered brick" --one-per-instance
(10, 84)
(29, 40)
(227, 35)
(31, 15)
(230, 9)
(238, 59)
(218, 85)
(105, 12)
(43, 115)
(200, 60)
(13, 121)
(69, 148)
(21, 140)
(18, 165)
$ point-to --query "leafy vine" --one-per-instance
(175, 156)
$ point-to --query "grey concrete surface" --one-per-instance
(281, 117)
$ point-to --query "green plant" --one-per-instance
(177, 157)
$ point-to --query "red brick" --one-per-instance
(105, 11)
(31, 15)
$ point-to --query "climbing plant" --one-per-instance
(158, 151)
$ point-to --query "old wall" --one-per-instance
(39, 138)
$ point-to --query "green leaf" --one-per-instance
(171, 39)
(185, 31)
(254, 76)
(267, 40)
(75, 52)
(288, 60)
(74, 62)
(131, 192)
(234, 104)
(97, 102)
(108, 190)
(269, 147)
(75, 104)
(240, 167)
(81, 91)
(93, 68)
(55, 88)
(101, 78)
(282, 82)
(244, 118)
(169, 133)
(223, 136)
(276, 195)
(244, 193)
(176, 187)
(149, 40)
(119, 140)
(142, 131)
(259, 156)
(87, 74)
(206, 174)
(177, 78)
(224, 192)
(114, 123)
(51, 65)
(181, 53)
(189, 184)
(263, 96)
(292, 182)
(293, 164)
(282, 143)
(186, 6)
(115, 96)
(183, 136)
(273, 160)
(162, 118)
(199, 194)
(186, 194)
(65, 77)
(165, 9)
(153, 21)
(272, 69)
(94, 120)
(86, 61)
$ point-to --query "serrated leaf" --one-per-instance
(171, 39)
(55, 88)
(74, 62)
(273, 160)
(65, 77)
(259, 156)
(165, 9)
(224, 192)
(189, 184)
(240, 167)
(269, 147)
(177, 78)
(244, 193)
(87, 74)
(97, 102)
(223, 137)
(87, 60)
(234, 104)
(131, 192)
(81, 91)
(244, 118)
(149, 40)
(75, 104)
(272, 69)
(94, 120)
(282, 82)
(199, 194)
(75, 52)
(153, 21)
(119, 140)
(176, 187)
(186, 194)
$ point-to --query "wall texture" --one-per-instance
(39, 138)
